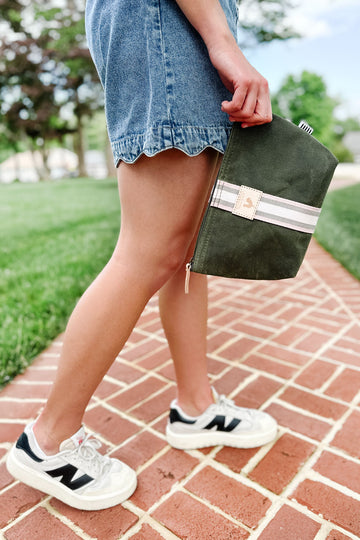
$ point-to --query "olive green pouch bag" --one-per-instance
(265, 202)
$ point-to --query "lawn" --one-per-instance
(338, 229)
(54, 239)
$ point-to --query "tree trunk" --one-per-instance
(79, 147)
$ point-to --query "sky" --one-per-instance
(330, 47)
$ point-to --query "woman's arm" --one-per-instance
(250, 103)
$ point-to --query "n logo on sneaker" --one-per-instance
(67, 472)
(219, 422)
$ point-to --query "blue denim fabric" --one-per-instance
(161, 90)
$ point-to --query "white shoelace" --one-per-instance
(87, 453)
(227, 406)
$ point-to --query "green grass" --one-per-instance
(54, 239)
(338, 229)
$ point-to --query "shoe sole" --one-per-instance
(35, 479)
(185, 441)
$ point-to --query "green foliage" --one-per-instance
(338, 229)
(54, 239)
(305, 97)
(263, 21)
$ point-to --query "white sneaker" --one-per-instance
(222, 423)
(78, 475)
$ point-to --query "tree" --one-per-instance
(46, 71)
(305, 97)
(53, 85)
(262, 21)
(65, 31)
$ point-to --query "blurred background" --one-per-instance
(52, 105)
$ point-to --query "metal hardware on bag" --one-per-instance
(306, 127)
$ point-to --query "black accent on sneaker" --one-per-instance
(219, 422)
(175, 416)
(67, 472)
(23, 444)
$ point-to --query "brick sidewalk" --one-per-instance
(291, 348)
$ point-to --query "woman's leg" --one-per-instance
(162, 200)
(184, 319)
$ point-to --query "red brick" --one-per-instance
(10, 432)
(316, 374)
(160, 476)
(135, 337)
(270, 366)
(139, 449)
(131, 397)
(290, 313)
(350, 345)
(322, 321)
(190, 519)
(235, 458)
(311, 427)
(140, 350)
(124, 373)
(251, 330)
(216, 366)
(340, 355)
(231, 380)
(239, 501)
(5, 477)
(345, 438)
(315, 404)
(313, 342)
(155, 359)
(160, 426)
(272, 308)
(287, 524)
(223, 318)
(24, 391)
(35, 374)
(238, 349)
(155, 406)
(341, 470)
(279, 466)
(345, 386)
(281, 353)
(290, 335)
(337, 535)
(108, 524)
(168, 371)
(19, 409)
(40, 525)
(146, 533)
(354, 332)
(110, 425)
(331, 504)
(16, 500)
(218, 340)
(257, 392)
(106, 389)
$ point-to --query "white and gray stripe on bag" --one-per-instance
(269, 208)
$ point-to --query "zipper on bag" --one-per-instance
(187, 276)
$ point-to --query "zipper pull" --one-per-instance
(187, 277)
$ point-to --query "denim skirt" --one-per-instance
(160, 88)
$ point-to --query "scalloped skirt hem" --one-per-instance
(191, 140)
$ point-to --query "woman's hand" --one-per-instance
(250, 103)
